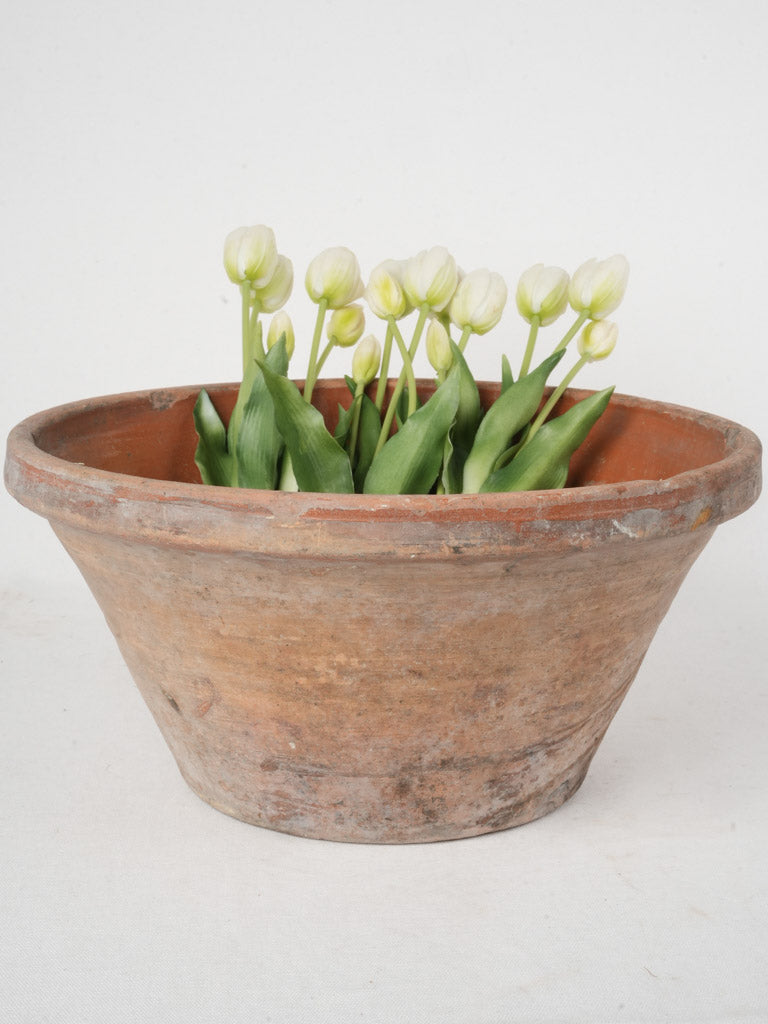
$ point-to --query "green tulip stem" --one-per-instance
(355, 426)
(573, 330)
(245, 294)
(535, 322)
(406, 373)
(464, 338)
(408, 367)
(381, 387)
(423, 314)
(312, 369)
(324, 355)
(554, 399)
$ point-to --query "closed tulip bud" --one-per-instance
(598, 286)
(280, 325)
(431, 278)
(597, 340)
(479, 301)
(250, 254)
(542, 292)
(346, 326)
(275, 294)
(366, 360)
(385, 294)
(439, 347)
(334, 275)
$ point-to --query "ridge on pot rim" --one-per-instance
(646, 468)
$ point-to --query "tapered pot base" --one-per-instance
(535, 806)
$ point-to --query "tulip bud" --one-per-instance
(277, 292)
(281, 324)
(597, 340)
(479, 301)
(346, 326)
(542, 292)
(384, 293)
(431, 277)
(250, 254)
(366, 360)
(334, 275)
(598, 286)
(439, 347)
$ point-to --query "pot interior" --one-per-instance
(151, 434)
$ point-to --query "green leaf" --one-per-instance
(462, 435)
(410, 461)
(211, 455)
(251, 373)
(344, 423)
(368, 432)
(507, 380)
(401, 409)
(367, 439)
(259, 444)
(319, 462)
(542, 463)
(287, 481)
(511, 411)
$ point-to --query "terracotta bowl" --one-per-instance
(380, 669)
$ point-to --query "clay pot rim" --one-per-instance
(97, 499)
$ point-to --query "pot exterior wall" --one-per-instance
(369, 700)
(381, 668)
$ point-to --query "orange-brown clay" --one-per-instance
(380, 669)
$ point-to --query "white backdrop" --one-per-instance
(134, 137)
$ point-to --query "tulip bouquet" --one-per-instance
(386, 441)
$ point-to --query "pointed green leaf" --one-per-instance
(211, 455)
(367, 439)
(319, 462)
(463, 431)
(243, 394)
(368, 430)
(542, 463)
(344, 423)
(506, 417)
(507, 380)
(259, 442)
(409, 462)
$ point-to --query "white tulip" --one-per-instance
(431, 277)
(346, 326)
(542, 292)
(334, 275)
(439, 347)
(277, 292)
(479, 301)
(598, 286)
(250, 254)
(366, 360)
(597, 340)
(385, 294)
(281, 324)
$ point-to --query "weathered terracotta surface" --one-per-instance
(380, 669)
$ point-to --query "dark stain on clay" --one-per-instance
(172, 701)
